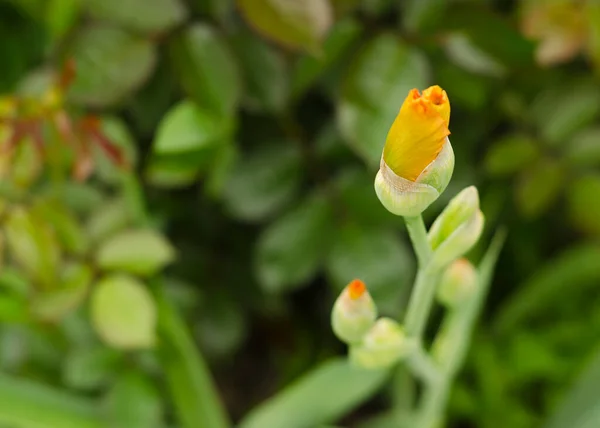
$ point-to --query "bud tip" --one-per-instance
(356, 289)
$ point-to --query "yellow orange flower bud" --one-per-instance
(417, 160)
(354, 312)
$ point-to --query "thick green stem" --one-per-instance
(418, 236)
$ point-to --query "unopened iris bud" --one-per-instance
(457, 228)
(384, 345)
(354, 313)
(417, 160)
(458, 283)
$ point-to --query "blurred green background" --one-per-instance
(235, 146)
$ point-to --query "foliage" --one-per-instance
(187, 185)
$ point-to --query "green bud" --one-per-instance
(384, 345)
(458, 283)
(410, 198)
(457, 228)
(354, 313)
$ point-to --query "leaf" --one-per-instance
(308, 68)
(562, 110)
(112, 217)
(150, 16)
(61, 16)
(264, 71)
(123, 313)
(539, 188)
(134, 402)
(308, 401)
(510, 155)
(140, 251)
(187, 129)
(579, 407)
(206, 69)
(65, 225)
(574, 269)
(290, 251)
(584, 203)
(120, 136)
(422, 15)
(263, 182)
(33, 245)
(375, 256)
(584, 148)
(111, 64)
(463, 51)
(90, 368)
(377, 82)
(297, 25)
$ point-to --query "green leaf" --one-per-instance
(263, 182)
(69, 232)
(290, 251)
(216, 9)
(584, 203)
(463, 51)
(297, 25)
(309, 401)
(55, 304)
(90, 368)
(206, 69)
(61, 16)
(26, 404)
(584, 148)
(562, 110)
(119, 134)
(140, 251)
(110, 63)
(112, 217)
(33, 245)
(573, 270)
(134, 402)
(377, 82)
(421, 15)
(539, 188)
(309, 68)
(375, 256)
(264, 71)
(221, 327)
(510, 154)
(123, 313)
(580, 407)
(151, 16)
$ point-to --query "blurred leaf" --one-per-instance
(61, 16)
(584, 149)
(561, 111)
(55, 304)
(467, 89)
(264, 70)
(26, 404)
(377, 82)
(187, 375)
(308, 68)
(419, 15)
(120, 136)
(67, 229)
(307, 402)
(298, 25)
(90, 368)
(579, 407)
(112, 217)
(263, 182)
(32, 244)
(216, 9)
(574, 269)
(133, 402)
(539, 188)
(583, 197)
(510, 154)
(13, 309)
(142, 252)
(290, 250)
(463, 52)
(221, 327)
(188, 129)
(110, 64)
(169, 175)
(375, 256)
(149, 16)
(123, 313)
(206, 69)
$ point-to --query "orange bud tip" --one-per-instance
(356, 289)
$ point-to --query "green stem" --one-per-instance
(26, 404)
(420, 303)
(418, 236)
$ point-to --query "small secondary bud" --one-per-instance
(354, 312)
(458, 283)
(384, 345)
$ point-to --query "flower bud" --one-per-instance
(458, 283)
(354, 313)
(417, 160)
(384, 345)
(457, 228)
